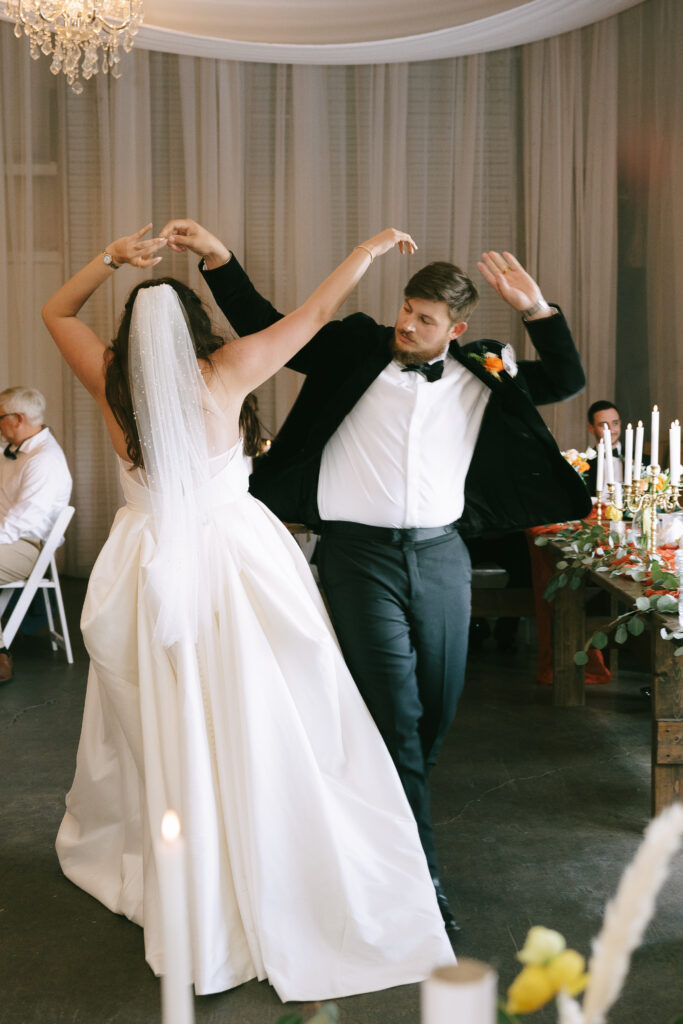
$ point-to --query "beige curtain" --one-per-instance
(521, 149)
(570, 196)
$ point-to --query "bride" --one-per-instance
(216, 685)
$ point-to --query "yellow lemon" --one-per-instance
(613, 513)
(531, 989)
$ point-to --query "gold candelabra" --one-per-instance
(649, 501)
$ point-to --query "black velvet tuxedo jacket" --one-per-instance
(517, 477)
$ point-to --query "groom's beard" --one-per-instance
(406, 357)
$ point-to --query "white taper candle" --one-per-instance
(609, 458)
(654, 437)
(628, 455)
(600, 470)
(675, 453)
(176, 993)
(638, 457)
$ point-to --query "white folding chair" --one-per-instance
(43, 577)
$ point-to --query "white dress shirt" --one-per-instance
(400, 457)
(34, 488)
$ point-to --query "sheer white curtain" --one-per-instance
(292, 165)
(570, 195)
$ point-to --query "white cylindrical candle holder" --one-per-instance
(654, 437)
(638, 457)
(628, 455)
(176, 992)
(465, 993)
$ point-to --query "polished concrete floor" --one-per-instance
(538, 811)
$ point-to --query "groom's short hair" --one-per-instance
(444, 282)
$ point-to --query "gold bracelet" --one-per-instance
(365, 249)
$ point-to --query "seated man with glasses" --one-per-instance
(35, 485)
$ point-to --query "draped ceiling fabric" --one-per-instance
(564, 150)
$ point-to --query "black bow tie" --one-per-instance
(430, 371)
(8, 453)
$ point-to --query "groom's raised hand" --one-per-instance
(186, 234)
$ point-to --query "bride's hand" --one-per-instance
(188, 234)
(136, 251)
(386, 240)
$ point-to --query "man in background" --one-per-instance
(601, 414)
(35, 485)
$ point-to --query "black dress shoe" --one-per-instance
(449, 922)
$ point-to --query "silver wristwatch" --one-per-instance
(109, 261)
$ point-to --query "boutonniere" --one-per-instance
(494, 363)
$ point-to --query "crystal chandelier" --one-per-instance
(75, 30)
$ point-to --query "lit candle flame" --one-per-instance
(170, 826)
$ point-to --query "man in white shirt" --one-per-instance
(401, 443)
(35, 485)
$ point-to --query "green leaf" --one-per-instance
(668, 581)
(580, 658)
(575, 582)
(541, 542)
(562, 579)
(635, 626)
(678, 653)
(562, 565)
(600, 640)
(643, 604)
(667, 603)
(290, 1018)
(621, 635)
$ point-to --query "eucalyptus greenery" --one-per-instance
(593, 547)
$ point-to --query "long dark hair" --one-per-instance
(205, 341)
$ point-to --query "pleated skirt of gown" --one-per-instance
(303, 858)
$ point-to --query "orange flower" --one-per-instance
(582, 466)
(493, 363)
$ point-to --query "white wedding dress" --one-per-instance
(304, 863)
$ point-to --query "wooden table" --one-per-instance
(570, 633)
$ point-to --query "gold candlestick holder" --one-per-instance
(649, 501)
(602, 509)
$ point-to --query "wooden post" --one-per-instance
(667, 723)
(569, 628)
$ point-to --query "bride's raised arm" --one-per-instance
(252, 359)
(80, 346)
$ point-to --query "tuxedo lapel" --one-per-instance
(478, 369)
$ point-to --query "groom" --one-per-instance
(400, 443)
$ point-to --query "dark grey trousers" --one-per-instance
(401, 611)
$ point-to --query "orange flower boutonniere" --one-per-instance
(491, 361)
